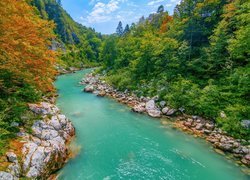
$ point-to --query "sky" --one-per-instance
(104, 15)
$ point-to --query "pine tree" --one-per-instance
(126, 30)
(119, 29)
(160, 9)
(59, 2)
(142, 20)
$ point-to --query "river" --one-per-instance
(115, 143)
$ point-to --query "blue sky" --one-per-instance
(104, 15)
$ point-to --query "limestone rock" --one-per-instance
(11, 157)
(171, 112)
(165, 110)
(140, 108)
(150, 105)
(89, 88)
(199, 126)
(6, 176)
(101, 93)
(154, 113)
(14, 169)
(162, 103)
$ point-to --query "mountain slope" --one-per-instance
(82, 43)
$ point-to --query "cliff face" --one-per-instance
(44, 150)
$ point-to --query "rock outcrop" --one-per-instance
(45, 150)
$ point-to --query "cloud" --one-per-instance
(154, 2)
(102, 12)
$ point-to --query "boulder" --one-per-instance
(150, 105)
(6, 176)
(245, 124)
(44, 108)
(162, 103)
(140, 108)
(246, 160)
(199, 126)
(209, 126)
(171, 112)
(14, 169)
(168, 111)
(89, 88)
(45, 151)
(11, 157)
(101, 93)
(54, 122)
(154, 113)
(165, 110)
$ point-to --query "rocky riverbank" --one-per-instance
(42, 151)
(238, 149)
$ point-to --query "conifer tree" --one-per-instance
(119, 29)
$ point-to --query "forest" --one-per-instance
(196, 59)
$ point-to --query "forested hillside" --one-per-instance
(196, 60)
(35, 37)
(26, 65)
(80, 45)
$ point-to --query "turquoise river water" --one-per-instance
(116, 143)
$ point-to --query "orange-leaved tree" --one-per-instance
(25, 39)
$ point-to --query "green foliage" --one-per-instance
(82, 44)
(197, 59)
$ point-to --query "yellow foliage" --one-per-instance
(24, 44)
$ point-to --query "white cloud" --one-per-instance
(102, 12)
(154, 2)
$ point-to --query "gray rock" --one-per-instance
(199, 126)
(33, 172)
(49, 134)
(207, 131)
(6, 176)
(162, 103)
(55, 123)
(209, 126)
(44, 108)
(28, 150)
(15, 169)
(195, 117)
(171, 112)
(101, 93)
(154, 113)
(89, 88)
(245, 124)
(140, 108)
(165, 110)
(150, 105)
(14, 124)
(11, 157)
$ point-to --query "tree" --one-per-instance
(142, 20)
(24, 44)
(160, 9)
(59, 2)
(126, 30)
(119, 29)
(109, 52)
